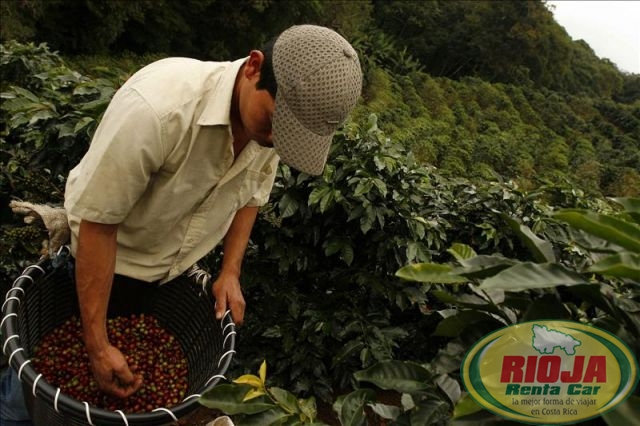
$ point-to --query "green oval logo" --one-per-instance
(549, 372)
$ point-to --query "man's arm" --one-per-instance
(95, 266)
(226, 289)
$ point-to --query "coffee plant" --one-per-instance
(321, 279)
(584, 267)
(365, 286)
(48, 114)
(255, 403)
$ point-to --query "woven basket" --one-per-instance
(44, 297)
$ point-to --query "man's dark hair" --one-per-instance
(267, 77)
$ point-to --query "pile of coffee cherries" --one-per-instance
(149, 350)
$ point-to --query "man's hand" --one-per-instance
(112, 373)
(226, 289)
(228, 294)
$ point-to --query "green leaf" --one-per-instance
(12, 166)
(82, 123)
(326, 201)
(628, 305)
(406, 401)
(450, 387)
(483, 266)
(466, 300)
(621, 265)
(461, 251)
(43, 114)
(355, 213)
(347, 254)
(350, 407)
(317, 194)
(228, 398)
(390, 412)
(285, 399)
(6, 95)
(541, 250)
(288, 206)
(631, 206)
(625, 234)
(94, 107)
(366, 220)
(26, 94)
(429, 412)
(380, 163)
(17, 105)
(417, 225)
(363, 187)
(526, 276)
(333, 246)
(402, 376)
(430, 273)
(308, 407)
(66, 129)
(347, 350)
(85, 90)
(590, 242)
(381, 186)
(273, 416)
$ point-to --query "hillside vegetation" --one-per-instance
(478, 89)
(511, 41)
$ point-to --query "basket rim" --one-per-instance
(12, 348)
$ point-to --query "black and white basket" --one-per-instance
(44, 297)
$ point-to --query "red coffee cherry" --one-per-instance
(148, 348)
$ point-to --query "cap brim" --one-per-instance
(297, 146)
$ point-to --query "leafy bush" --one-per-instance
(326, 307)
(320, 275)
(329, 312)
(49, 113)
(588, 272)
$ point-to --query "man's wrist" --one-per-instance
(95, 345)
(230, 271)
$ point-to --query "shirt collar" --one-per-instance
(218, 108)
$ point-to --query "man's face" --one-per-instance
(256, 106)
(257, 114)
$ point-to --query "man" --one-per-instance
(183, 158)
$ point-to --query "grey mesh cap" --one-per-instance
(319, 82)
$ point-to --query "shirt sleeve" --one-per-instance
(126, 150)
(261, 196)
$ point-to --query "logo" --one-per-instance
(549, 372)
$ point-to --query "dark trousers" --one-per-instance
(129, 296)
(13, 410)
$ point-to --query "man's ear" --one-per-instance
(253, 64)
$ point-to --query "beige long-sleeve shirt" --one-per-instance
(161, 165)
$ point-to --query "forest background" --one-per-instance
(479, 122)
